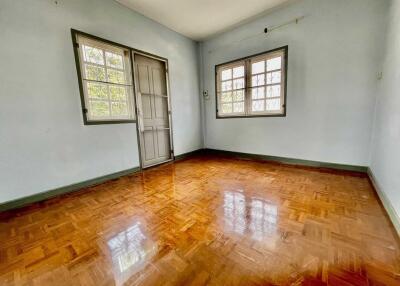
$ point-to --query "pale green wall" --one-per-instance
(385, 155)
(334, 59)
(43, 142)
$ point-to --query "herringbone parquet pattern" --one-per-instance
(205, 221)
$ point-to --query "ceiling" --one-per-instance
(200, 19)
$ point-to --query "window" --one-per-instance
(253, 86)
(104, 71)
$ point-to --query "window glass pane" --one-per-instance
(105, 73)
(274, 64)
(119, 109)
(258, 67)
(274, 77)
(95, 73)
(117, 93)
(238, 72)
(97, 90)
(99, 108)
(257, 80)
(238, 83)
(258, 93)
(93, 55)
(273, 91)
(115, 76)
(227, 108)
(226, 85)
(258, 105)
(252, 86)
(114, 60)
(226, 74)
(226, 97)
(238, 107)
(273, 104)
(238, 95)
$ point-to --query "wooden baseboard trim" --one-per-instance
(18, 203)
(75, 187)
(189, 154)
(390, 211)
(290, 161)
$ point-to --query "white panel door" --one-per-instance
(153, 110)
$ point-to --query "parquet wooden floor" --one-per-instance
(206, 221)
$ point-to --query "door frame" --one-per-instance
(134, 52)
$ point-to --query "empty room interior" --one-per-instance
(188, 142)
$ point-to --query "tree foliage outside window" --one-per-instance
(253, 86)
(106, 80)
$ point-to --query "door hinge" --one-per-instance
(85, 110)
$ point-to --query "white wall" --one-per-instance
(43, 142)
(333, 62)
(385, 155)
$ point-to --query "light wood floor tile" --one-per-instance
(206, 220)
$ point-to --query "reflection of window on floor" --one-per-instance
(235, 212)
(263, 216)
(263, 219)
(129, 250)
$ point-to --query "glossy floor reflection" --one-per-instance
(206, 221)
(130, 250)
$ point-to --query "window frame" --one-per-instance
(132, 101)
(247, 89)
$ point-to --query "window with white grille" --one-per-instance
(106, 81)
(253, 86)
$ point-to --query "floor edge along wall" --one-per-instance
(77, 186)
(14, 204)
(393, 216)
(18, 203)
